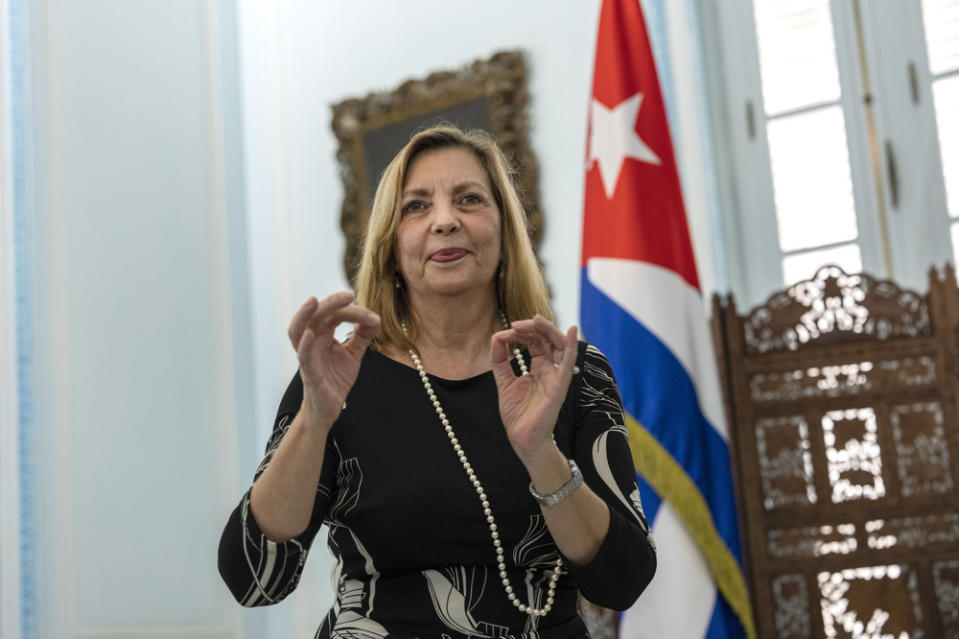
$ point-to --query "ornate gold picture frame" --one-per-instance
(488, 94)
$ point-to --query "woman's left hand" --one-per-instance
(529, 404)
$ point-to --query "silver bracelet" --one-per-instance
(562, 493)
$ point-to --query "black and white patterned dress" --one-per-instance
(412, 546)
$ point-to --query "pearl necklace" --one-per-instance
(481, 493)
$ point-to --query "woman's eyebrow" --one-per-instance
(417, 192)
(468, 184)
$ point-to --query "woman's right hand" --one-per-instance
(327, 366)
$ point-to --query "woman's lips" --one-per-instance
(448, 255)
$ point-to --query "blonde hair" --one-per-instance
(520, 289)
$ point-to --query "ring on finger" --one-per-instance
(575, 368)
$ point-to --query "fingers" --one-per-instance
(300, 321)
(571, 351)
(549, 330)
(499, 357)
(543, 339)
(303, 348)
(312, 311)
(367, 326)
(322, 317)
(349, 314)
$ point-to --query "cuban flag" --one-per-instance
(641, 305)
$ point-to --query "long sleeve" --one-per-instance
(258, 571)
(626, 560)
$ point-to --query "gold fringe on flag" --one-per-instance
(672, 483)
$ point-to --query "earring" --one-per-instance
(396, 281)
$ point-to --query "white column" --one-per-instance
(138, 317)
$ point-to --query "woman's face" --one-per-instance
(448, 239)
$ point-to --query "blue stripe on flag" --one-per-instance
(658, 392)
(649, 498)
(724, 624)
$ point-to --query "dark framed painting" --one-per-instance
(488, 94)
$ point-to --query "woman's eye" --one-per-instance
(471, 198)
(413, 206)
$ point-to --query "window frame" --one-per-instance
(897, 243)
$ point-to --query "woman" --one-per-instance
(447, 463)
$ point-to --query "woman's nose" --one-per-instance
(444, 220)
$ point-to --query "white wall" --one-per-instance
(300, 56)
(137, 402)
(172, 242)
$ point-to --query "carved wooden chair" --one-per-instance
(601, 623)
(841, 394)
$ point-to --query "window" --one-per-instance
(806, 134)
(941, 22)
(840, 119)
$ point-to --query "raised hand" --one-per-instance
(327, 366)
(529, 404)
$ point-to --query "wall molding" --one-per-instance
(56, 568)
(271, 239)
(17, 500)
(223, 266)
(10, 590)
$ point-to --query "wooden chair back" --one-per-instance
(841, 396)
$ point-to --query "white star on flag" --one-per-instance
(613, 138)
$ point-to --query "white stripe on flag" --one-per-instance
(673, 311)
(679, 602)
